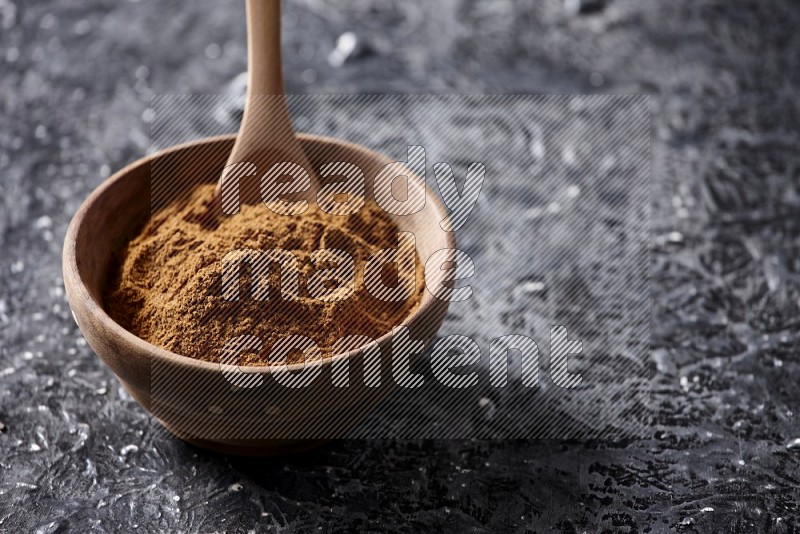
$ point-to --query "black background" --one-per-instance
(78, 454)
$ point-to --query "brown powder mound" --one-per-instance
(166, 287)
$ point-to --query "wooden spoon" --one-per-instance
(266, 136)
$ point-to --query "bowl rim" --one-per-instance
(73, 276)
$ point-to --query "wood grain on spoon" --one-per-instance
(266, 136)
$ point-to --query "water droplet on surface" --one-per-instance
(128, 449)
(741, 426)
(148, 115)
(675, 237)
(568, 155)
(684, 381)
(82, 27)
(488, 407)
(532, 286)
(43, 222)
(213, 51)
(12, 54)
(309, 76)
(48, 21)
(596, 79)
(345, 45)
(794, 444)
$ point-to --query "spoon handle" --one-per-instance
(266, 136)
(264, 72)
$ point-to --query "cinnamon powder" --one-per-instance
(166, 286)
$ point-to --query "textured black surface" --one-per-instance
(723, 453)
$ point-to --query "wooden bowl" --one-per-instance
(192, 398)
